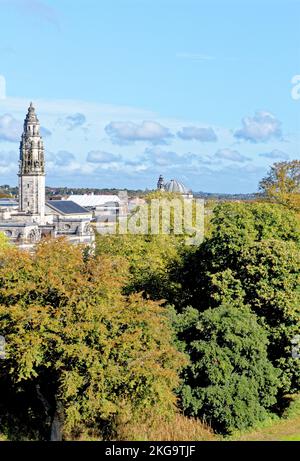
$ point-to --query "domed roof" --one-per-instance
(176, 186)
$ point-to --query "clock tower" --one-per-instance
(32, 169)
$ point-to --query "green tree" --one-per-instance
(230, 382)
(253, 258)
(151, 260)
(235, 226)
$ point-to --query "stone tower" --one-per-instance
(32, 169)
(160, 183)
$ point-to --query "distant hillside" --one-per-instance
(7, 190)
(218, 196)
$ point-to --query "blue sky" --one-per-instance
(198, 90)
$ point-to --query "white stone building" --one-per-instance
(33, 217)
(107, 209)
(174, 186)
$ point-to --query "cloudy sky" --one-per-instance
(204, 91)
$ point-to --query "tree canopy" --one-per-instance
(79, 351)
(282, 184)
(230, 382)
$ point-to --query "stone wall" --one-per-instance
(32, 195)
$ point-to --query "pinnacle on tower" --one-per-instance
(31, 110)
(32, 168)
(31, 147)
(160, 183)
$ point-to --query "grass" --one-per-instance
(153, 428)
(179, 428)
(182, 428)
(286, 428)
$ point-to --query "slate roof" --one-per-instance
(5, 202)
(66, 207)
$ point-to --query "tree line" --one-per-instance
(146, 327)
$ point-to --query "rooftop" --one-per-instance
(176, 186)
(5, 202)
(66, 207)
(91, 200)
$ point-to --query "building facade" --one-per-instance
(175, 187)
(25, 223)
(32, 169)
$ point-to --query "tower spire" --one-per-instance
(31, 147)
(32, 166)
(160, 183)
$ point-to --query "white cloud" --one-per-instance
(129, 132)
(231, 154)
(62, 108)
(98, 156)
(61, 158)
(141, 163)
(45, 132)
(9, 163)
(10, 128)
(260, 128)
(199, 134)
(73, 121)
(158, 156)
(275, 154)
(9, 157)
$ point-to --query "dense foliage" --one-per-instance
(79, 352)
(149, 326)
(248, 265)
(230, 382)
(282, 184)
(253, 258)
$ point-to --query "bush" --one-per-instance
(230, 382)
(253, 258)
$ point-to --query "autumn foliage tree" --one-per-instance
(282, 184)
(153, 256)
(3, 241)
(79, 353)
